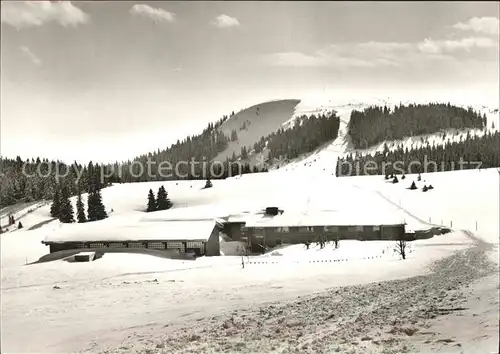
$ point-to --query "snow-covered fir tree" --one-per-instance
(162, 201)
(56, 204)
(95, 207)
(80, 209)
(66, 214)
(151, 202)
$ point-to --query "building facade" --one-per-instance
(185, 237)
(261, 237)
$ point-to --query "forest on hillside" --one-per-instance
(189, 159)
(37, 179)
(376, 124)
(192, 158)
(473, 151)
(307, 134)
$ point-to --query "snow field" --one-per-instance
(122, 295)
(136, 289)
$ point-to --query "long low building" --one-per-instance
(198, 236)
(263, 231)
(257, 229)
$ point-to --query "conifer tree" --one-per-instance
(160, 198)
(80, 212)
(91, 206)
(162, 201)
(95, 207)
(20, 225)
(100, 209)
(56, 204)
(65, 208)
(151, 202)
(244, 152)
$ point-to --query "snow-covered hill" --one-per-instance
(96, 305)
(324, 158)
(266, 118)
(255, 122)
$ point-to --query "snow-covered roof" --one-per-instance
(201, 212)
(147, 231)
(319, 218)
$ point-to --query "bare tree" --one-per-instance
(400, 247)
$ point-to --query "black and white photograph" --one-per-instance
(250, 177)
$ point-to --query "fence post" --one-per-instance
(451, 223)
(476, 225)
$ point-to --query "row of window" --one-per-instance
(286, 229)
(155, 245)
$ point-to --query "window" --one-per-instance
(259, 236)
(157, 245)
(282, 229)
(136, 245)
(352, 228)
(96, 245)
(175, 245)
(376, 228)
(359, 228)
(331, 228)
(81, 245)
(116, 245)
(194, 244)
(244, 229)
(306, 229)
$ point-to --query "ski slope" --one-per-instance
(325, 157)
(253, 123)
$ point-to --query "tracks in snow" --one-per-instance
(383, 317)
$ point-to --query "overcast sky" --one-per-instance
(112, 80)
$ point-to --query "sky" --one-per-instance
(107, 81)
